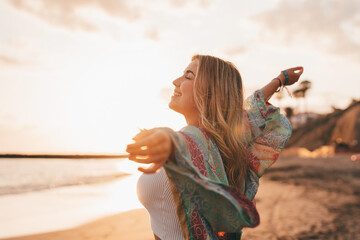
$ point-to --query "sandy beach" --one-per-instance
(133, 224)
(309, 198)
(299, 198)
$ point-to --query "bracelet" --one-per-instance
(282, 86)
(286, 77)
(278, 90)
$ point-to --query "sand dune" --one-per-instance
(341, 126)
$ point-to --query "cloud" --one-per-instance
(328, 25)
(234, 51)
(7, 61)
(181, 3)
(65, 13)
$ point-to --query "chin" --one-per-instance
(173, 107)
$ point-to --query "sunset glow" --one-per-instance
(83, 77)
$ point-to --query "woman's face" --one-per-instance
(182, 100)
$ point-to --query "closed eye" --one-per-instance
(187, 74)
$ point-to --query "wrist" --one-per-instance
(278, 83)
(282, 78)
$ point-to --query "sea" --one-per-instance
(27, 175)
(43, 195)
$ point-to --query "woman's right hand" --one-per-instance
(293, 73)
(153, 146)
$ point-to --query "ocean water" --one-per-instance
(27, 175)
(43, 195)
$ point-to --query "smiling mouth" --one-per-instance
(176, 94)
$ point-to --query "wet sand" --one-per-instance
(298, 198)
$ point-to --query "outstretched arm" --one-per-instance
(270, 88)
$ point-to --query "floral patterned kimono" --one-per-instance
(207, 207)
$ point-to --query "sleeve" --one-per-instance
(269, 132)
(212, 202)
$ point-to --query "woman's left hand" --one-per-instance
(153, 146)
(293, 74)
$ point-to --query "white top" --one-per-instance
(154, 193)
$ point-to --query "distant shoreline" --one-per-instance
(72, 156)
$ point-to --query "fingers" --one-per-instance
(135, 158)
(145, 141)
(151, 169)
(298, 70)
(143, 133)
(151, 147)
(151, 140)
(148, 159)
(157, 149)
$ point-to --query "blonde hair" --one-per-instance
(218, 95)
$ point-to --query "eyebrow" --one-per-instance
(189, 71)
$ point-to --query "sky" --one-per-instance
(81, 76)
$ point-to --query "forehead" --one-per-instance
(192, 66)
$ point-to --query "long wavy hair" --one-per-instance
(219, 97)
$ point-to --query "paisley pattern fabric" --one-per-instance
(207, 207)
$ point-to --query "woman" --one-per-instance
(202, 180)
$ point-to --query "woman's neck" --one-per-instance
(193, 120)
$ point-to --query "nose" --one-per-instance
(177, 82)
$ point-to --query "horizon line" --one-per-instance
(73, 156)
